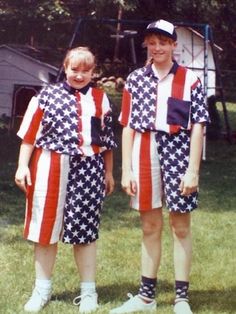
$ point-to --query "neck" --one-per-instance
(163, 69)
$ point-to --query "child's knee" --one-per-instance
(181, 232)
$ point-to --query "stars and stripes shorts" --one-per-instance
(159, 160)
(65, 198)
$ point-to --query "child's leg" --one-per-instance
(85, 259)
(45, 256)
(152, 222)
(181, 230)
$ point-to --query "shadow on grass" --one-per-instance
(112, 293)
(10, 240)
(222, 301)
(12, 205)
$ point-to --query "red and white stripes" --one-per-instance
(46, 197)
(146, 172)
(31, 125)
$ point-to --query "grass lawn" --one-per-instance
(213, 280)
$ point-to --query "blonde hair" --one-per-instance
(82, 57)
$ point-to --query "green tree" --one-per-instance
(52, 23)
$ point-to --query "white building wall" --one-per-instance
(190, 53)
(19, 69)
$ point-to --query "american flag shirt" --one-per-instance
(175, 102)
(162, 112)
(69, 121)
(70, 129)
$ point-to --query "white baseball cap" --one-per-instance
(162, 27)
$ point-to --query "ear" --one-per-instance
(175, 44)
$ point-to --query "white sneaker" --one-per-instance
(134, 304)
(87, 302)
(182, 307)
(37, 301)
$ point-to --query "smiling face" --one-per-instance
(160, 49)
(78, 76)
(79, 65)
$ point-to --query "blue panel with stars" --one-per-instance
(84, 200)
(173, 152)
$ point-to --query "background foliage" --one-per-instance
(51, 23)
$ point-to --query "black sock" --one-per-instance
(147, 288)
(181, 290)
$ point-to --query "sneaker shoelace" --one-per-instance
(78, 299)
(130, 295)
(36, 293)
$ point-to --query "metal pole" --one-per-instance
(118, 30)
(221, 90)
(205, 82)
(76, 31)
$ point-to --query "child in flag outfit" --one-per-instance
(163, 115)
(65, 169)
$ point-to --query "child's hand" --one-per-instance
(189, 183)
(128, 183)
(23, 178)
(109, 183)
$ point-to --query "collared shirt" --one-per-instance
(69, 121)
(168, 104)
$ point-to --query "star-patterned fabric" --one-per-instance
(173, 150)
(84, 199)
(157, 105)
(69, 121)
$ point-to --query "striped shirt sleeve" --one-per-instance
(125, 108)
(31, 124)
